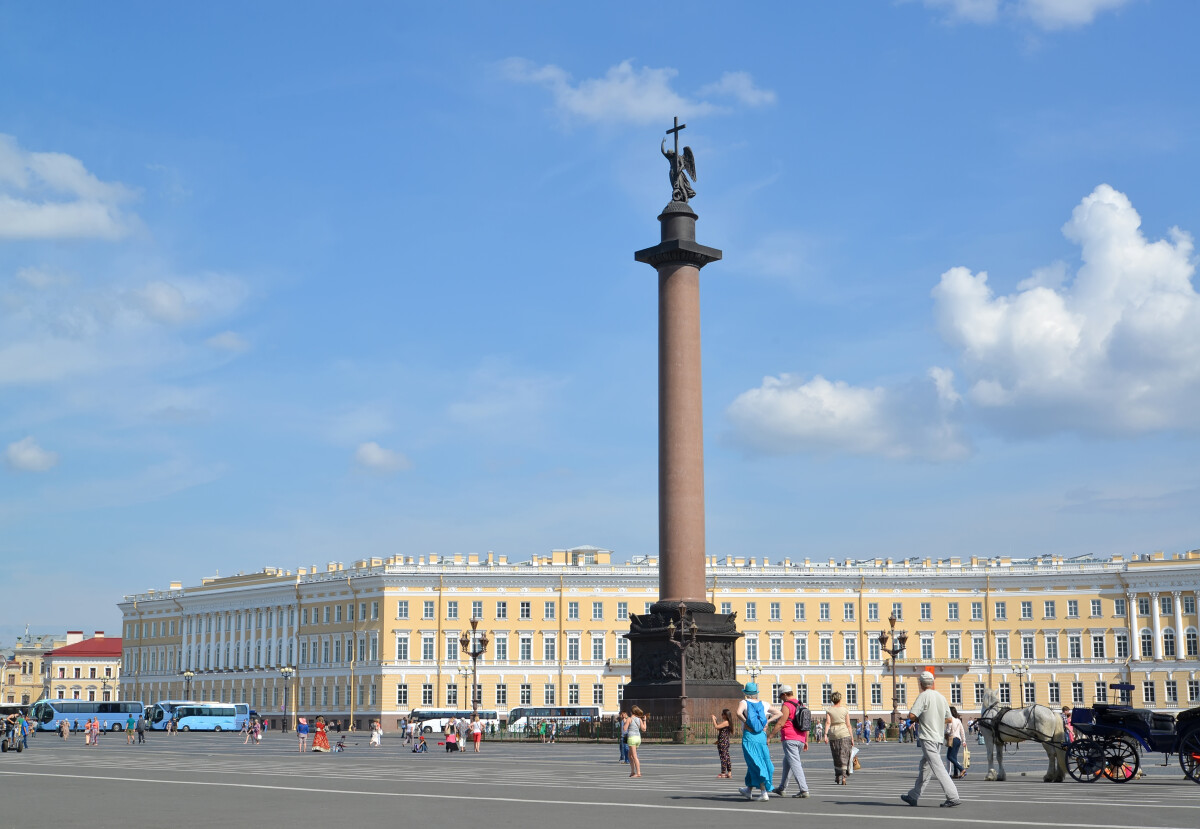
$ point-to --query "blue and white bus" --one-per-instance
(48, 713)
(431, 719)
(206, 716)
(568, 716)
(159, 715)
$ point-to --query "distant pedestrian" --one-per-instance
(129, 725)
(247, 729)
(141, 729)
(724, 728)
(793, 738)
(839, 734)
(623, 741)
(476, 732)
(302, 733)
(930, 715)
(756, 717)
(1068, 729)
(376, 735)
(320, 739)
(637, 725)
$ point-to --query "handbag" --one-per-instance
(966, 757)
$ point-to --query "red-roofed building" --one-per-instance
(87, 668)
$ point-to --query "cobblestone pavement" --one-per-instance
(194, 780)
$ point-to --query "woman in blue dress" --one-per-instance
(756, 717)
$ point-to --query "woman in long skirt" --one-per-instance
(320, 740)
(756, 717)
(839, 734)
(724, 732)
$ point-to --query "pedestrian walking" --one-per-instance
(756, 717)
(956, 738)
(794, 725)
(246, 730)
(129, 730)
(302, 733)
(839, 734)
(724, 728)
(930, 714)
(141, 729)
(623, 740)
(376, 734)
(637, 725)
(476, 732)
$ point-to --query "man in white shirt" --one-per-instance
(931, 713)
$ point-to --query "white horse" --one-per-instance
(1000, 725)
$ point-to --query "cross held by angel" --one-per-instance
(682, 166)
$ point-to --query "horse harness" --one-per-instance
(1007, 732)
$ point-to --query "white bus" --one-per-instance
(529, 716)
(206, 716)
(48, 713)
(161, 713)
(435, 719)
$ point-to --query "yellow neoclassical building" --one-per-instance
(380, 637)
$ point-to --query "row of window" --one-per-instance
(524, 610)
(524, 691)
(498, 650)
(62, 673)
(334, 614)
(1097, 646)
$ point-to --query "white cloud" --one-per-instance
(786, 414)
(739, 86)
(40, 277)
(374, 457)
(628, 93)
(182, 300)
(1115, 351)
(1065, 14)
(26, 456)
(230, 341)
(53, 196)
(1050, 15)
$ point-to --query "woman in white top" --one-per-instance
(956, 738)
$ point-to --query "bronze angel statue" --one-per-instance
(682, 166)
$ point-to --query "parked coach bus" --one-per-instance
(568, 716)
(48, 713)
(431, 720)
(206, 716)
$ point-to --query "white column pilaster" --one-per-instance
(1180, 642)
(1154, 616)
(1135, 642)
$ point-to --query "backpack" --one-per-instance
(756, 716)
(801, 718)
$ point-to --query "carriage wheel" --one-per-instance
(1121, 762)
(1085, 760)
(1189, 755)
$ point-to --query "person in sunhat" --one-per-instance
(756, 717)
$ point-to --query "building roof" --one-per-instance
(98, 647)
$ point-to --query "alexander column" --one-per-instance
(682, 652)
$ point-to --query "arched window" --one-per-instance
(1192, 646)
(1147, 644)
(1168, 642)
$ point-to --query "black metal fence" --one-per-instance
(607, 730)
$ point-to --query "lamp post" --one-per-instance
(754, 669)
(682, 637)
(104, 687)
(474, 644)
(187, 684)
(287, 672)
(894, 652)
(1021, 669)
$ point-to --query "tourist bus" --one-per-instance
(48, 713)
(525, 717)
(160, 714)
(435, 719)
(207, 716)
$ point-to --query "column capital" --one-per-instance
(1153, 594)
(1177, 593)
(1131, 594)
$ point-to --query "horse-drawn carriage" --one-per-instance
(1108, 739)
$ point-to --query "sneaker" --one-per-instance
(777, 791)
(764, 795)
(744, 791)
(800, 794)
(911, 801)
(952, 803)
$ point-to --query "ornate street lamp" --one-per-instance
(187, 684)
(287, 672)
(754, 669)
(1021, 669)
(474, 644)
(682, 637)
(894, 652)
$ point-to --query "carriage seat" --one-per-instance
(1140, 721)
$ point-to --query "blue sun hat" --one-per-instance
(751, 688)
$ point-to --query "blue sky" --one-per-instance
(295, 283)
